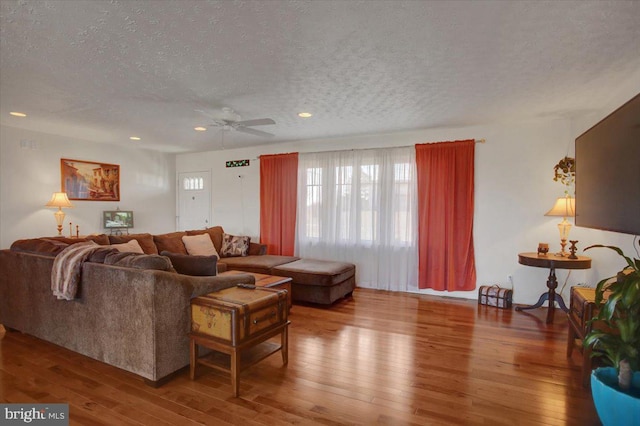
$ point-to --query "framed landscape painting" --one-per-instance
(90, 181)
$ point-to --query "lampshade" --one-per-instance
(564, 207)
(59, 199)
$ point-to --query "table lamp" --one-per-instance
(59, 200)
(564, 207)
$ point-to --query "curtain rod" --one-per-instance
(482, 140)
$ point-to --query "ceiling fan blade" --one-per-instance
(253, 131)
(205, 113)
(217, 123)
(256, 122)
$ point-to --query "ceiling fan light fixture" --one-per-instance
(304, 114)
(200, 129)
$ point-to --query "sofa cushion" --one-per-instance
(99, 255)
(145, 241)
(193, 265)
(100, 239)
(256, 264)
(233, 245)
(43, 246)
(256, 249)
(214, 232)
(171, 242)
(316, 272)
(138, 261)
(199, 245)
(131, 246)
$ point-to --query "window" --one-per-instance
(193, 183)
(350, 197)
(360, 207)
(314, 199)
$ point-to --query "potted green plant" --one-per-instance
(615, 336)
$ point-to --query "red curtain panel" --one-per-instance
(445, 215)
(278, 194)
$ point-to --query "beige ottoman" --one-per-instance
(318, 281)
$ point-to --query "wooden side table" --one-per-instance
(552, 262)
(236, 324)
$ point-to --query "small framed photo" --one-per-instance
(117, 219)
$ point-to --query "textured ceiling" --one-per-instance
(103, 71)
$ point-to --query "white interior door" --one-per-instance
(194, 200)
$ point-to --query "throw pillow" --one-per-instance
(233, 246)
(199, 245)
(138, 261)
(132, 246)
(215, 233)
(193, 265)
(99, 255)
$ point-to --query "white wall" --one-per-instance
(514, 188)
(30, 173)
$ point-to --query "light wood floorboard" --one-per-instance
(378, 358)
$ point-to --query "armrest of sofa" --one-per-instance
(256, 249)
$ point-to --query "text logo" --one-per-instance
(37, 414)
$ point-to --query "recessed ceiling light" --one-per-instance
(200, 129)
(134, 138)
(18, 114)
(304, 114)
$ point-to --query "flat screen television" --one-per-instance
(608, 172)
(117, 219)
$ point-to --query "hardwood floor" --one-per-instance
(379, 358)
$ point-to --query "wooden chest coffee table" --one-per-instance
(268, 281)
(236, 323)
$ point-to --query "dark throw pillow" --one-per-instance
(100, 254)
(138, 261)
(200, 266)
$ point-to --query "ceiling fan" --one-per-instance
(228, 119)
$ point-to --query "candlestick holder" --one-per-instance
(573, 249)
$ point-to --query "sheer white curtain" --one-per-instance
(361, 207)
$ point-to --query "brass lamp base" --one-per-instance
(562, 253)
(59, 215)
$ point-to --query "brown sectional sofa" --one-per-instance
(138, 319)
(134, 319)
(313, 281)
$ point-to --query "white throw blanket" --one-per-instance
(67, 268)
